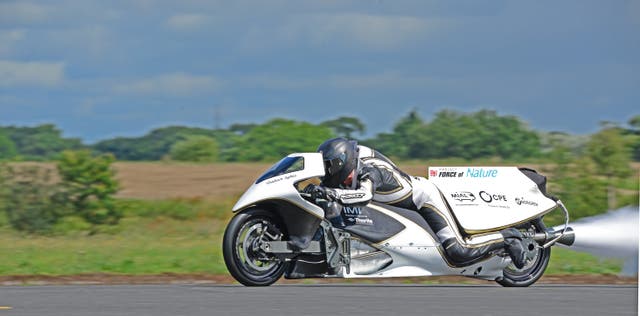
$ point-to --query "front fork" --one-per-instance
(337, 248)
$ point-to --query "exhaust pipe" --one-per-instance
(559, 234)
(567, 239)
(554, 235)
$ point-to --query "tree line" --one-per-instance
(450, 134)
(590, 173)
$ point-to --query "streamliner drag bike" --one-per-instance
(278, 229)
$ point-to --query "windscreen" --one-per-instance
(284, 166)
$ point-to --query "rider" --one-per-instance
(357, 174)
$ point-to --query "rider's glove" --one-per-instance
(320, 192)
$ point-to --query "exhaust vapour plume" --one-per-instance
(613, 234)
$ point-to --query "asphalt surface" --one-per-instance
(331, 300)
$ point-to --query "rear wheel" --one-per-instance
(246, 262)
(537, 261)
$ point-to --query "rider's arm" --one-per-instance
(368, 182)
(361, 195)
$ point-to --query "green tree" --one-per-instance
(402, 141)
(474, 135)
(634, 137)
(582, 192)
(157, 144)
(195, 148)
(7, 148)
(29, 198)
(89, 185)
(242, 129)
(345, 126)
(277, 138)
(634, 122)
(609, 151)
(43, 142)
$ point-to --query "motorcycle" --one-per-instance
(278, 229)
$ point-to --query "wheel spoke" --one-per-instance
(250, 256)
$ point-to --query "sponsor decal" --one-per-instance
(445, 173)
(364, 221)
(463, 196)
(348, 210)
(278, 179)
(450, 174)
(354, 216)
(274, 180)
(349, 196)
(481, 173)
(490, 198)
(521, 201)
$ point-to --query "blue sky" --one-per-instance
(100, 69)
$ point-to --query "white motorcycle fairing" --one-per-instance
(485, 199)
(282, 186)
(380, 240)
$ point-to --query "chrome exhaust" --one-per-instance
(559, 234)
(554, 235)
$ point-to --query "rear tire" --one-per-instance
(533, 270)
(246, 262)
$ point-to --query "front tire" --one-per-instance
(533, 269)
(244, 259)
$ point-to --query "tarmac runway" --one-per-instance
(325, 299)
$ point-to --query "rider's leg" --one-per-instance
(457, 253)
(425, 192)
(514, 246)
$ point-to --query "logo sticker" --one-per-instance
(494, 200)
(463, 196)
(364, 221)
(352, 196)
(521, 201)
(481, 173)
(348, 210)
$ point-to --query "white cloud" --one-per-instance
(92, 40)
(379, 80)
(359, 30)
(343, 81)
(175, 84)
(22, 12)
(372, 31)
(8, 38)
(182, 22)
(278, 82)
(13, 73)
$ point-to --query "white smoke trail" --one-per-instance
(613, 234)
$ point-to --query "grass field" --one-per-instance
(174, 218)
(162, 245)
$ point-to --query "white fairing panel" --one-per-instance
(415, 253)
(489, 198)
(282, 186)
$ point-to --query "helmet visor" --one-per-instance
(334, 165)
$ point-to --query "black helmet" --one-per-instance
(340, 159)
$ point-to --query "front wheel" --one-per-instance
(538, 259)
(246, 262)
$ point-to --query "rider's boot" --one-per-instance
(462, 256)
(513, 245)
